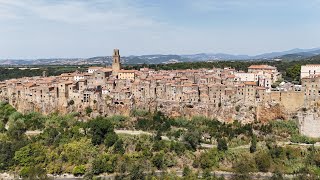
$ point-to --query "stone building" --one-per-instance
(309, 69)
(214, 93)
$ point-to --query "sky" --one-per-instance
(31, 29)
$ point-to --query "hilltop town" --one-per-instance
(226, 94)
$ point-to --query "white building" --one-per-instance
(242, 76)
(93, 69)
(309, 69)
(78, 77)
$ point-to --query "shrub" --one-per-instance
(297, 138)
(158, 160)
(88, 110)
(110, 139)
(263, 161)
(253, 146)
(79, 170)
(222, 144)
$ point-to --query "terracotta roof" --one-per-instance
(250, 83)
(105, 70)
(231, 76)
(127, 71)
(261, 88)
(261, 67)
(29, 84)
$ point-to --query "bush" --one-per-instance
(192, 138)
(209, 159)
(33, 172)
(100, 128)
(253, 146)
(118, 147)
(110, 139)
(263, 161)
(297, 138)
(79, 170)
(88, 110)
(317, 158)
(222, 144)
(158, 160)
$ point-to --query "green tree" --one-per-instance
(33, 172)
(79, 170)
(192, 138)
(30, 155)
(78, 152)
(137, 172)
(158, 160)
(222, 144)
(263, 161)
(186, 171)
(99, 128)
(118, 147)
(110, 139)
(253, 146)
(16, 130)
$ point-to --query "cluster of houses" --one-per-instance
(111, 90)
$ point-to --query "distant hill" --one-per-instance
(293, 54)
(300, 55)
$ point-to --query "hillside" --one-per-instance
(294, 54)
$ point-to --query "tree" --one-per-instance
(7, 150)
(206, 174)
(192, 138)
(110, 139)
(16, 130)
(79, 170)
(263, 161)
(118, 147)
(30, 155)
(222, 144)
(253, 146)
(137, 172)
(209, 159)
(78, 152)
(186, 171)
(99, 128)
(158, 160)
(33, 172)
(316, 158)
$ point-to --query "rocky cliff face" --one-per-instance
(271, 111)
(263, 112)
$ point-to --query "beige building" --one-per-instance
(126, 74)
(309, 69)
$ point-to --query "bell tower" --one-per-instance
(116, 65)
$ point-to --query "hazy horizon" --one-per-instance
(81, 29)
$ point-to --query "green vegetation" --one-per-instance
(88, 149)
(15, 72)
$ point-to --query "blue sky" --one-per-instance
(86, 28)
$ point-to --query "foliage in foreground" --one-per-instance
(91, 148)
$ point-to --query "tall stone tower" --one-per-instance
(116, 65)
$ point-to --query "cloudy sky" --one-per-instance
(86, 28)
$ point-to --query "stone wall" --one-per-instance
(309, 124)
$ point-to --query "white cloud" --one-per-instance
(107, 14)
